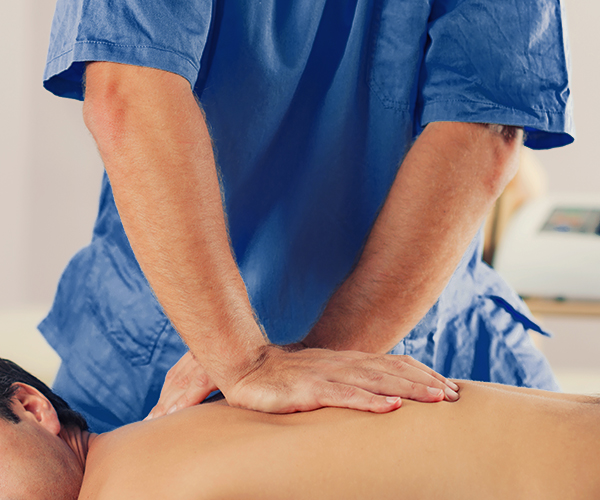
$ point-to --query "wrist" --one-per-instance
(243, 368)
(340, 328)
(230, 357)
(363, 315)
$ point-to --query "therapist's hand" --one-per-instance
(186, 384)
(286, 382)
(290, 379)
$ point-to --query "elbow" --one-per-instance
(105, 123)
(125, 103)
(502, 145)
(105, 107)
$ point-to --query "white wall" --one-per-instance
(575, 347)
(49, 168)
(576, 168)
(14, 178)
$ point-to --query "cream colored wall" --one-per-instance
(50, 171)
(14, 178)
(49, 183)
(574, 350)
(576, 168)
(49, 168)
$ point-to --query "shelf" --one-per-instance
(563, 307)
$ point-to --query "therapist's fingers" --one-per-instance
(402, 365)
(407, 383)
(424, 368)
(410, 368)
(396, 375)
(186, 384)
(352, 397)
(305, 380)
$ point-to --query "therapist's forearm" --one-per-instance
(445, 187)
(158, 154)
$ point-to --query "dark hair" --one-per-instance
(10, 374)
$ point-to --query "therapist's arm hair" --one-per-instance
(444, 188)
(157, 151)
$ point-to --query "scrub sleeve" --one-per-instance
(161, 34)
(505, 63)
(323, 100)
(113, 365)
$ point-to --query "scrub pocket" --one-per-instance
(397, 40)
(105, 387)
(122, 305)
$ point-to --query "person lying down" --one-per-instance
(495, 442)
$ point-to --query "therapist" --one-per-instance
(298, 170)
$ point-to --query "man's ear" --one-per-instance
(29, 403)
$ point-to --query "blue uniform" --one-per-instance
(312, 105)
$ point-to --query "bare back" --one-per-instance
(492, 443)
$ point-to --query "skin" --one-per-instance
(495, 442)
(40, 460)
(157, 151)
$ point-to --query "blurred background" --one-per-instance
(50, 178)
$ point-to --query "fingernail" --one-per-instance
(392, 400)
(450, 394)
(435, 392)
(172, 409)
(453, 385)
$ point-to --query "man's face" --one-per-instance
(35, 464)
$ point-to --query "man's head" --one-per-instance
(39, 437)
(11, 374)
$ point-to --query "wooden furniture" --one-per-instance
(545, 307)
(529, 183)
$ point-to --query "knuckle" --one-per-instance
(348, 393)
(322, 392)
(159, 409)
(187, 400)
(337, 358)
(372, 375)
(333, 394)
(399, 365)
(317, 386)
(202, 379)
(182, 381)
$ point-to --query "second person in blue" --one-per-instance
(310, 174)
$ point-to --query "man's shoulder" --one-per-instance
(110, 457)
(162, 458)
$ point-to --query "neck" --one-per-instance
(79, 441)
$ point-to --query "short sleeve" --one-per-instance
(163, 34)
(502, 61)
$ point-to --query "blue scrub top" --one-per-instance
(312, 106)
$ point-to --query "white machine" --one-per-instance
(551, 248)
